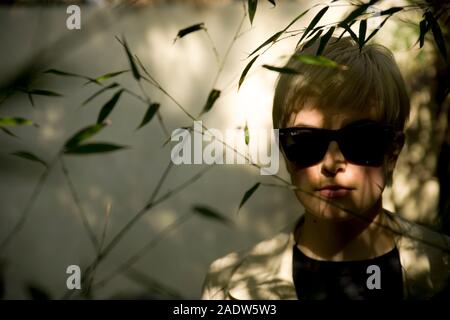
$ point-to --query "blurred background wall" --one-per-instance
(53, 237)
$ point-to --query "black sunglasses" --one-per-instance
(362, 143)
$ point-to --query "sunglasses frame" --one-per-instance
(387, 131)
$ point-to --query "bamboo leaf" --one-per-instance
(317, 60)
(90, 148)
(15, 121)
(134, 68)
(374, 32)
(151, 111)
(69, 74)
(358, 11)
(188, 30)
(297, 18)
(109, 106)
(30, 97)
(106, 76)
(390, 11)
(247, 134)
(8, 132)
(345, 30)
(63, 73)
(281, 70)
(248, 194)
(111, 86)
(437, 34)
(423, 26)
(273, 38)
(211, 214)
(40, 92)
(83, 135)
(312, 40)
(324, 40)
(349, 30)
(362, 33)
(246, 69)
(252, 4)
(29, 156)
(313, 23)
(213, 96)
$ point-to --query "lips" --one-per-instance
(334, 191)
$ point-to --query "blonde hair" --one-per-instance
(369, 81)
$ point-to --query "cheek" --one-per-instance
(306, 178)
(370, 184)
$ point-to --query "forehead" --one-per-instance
(329, 118)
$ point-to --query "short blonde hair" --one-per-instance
(370, 79)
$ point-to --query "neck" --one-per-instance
(344, 240)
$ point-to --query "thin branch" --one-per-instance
(158, 114)
(143, 251)
(233, 41)
(130, 224)
(26, 211)
(100, 248)
(133, 94)
(81, 211)
(214, 48)
(148, 207)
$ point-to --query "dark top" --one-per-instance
(348, 280)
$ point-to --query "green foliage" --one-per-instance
(190, 29)
(212, 97)
(90, 148)
(246, 134)
(83, 135)
(134, 68)
(69, 74)
(246, 69)
(107, 76)
(248, 194)
(111, 86)
(149, 114)
(210, 213)
(29, 156)
(313, 23)
(318, 60)
(252, 5)
(15, 121)
(281, 69)
(109, 106)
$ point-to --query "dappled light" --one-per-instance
(88, 119)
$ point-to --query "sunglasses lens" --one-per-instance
(303, 146)
(366, 145)
(362, 144)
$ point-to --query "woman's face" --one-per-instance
(362, 186)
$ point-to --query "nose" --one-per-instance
(333, 161)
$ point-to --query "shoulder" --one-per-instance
(256, 260)
(425, 258)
